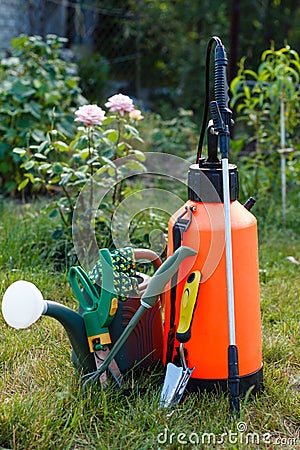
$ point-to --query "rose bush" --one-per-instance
(62, 166)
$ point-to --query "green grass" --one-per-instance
(41, 401)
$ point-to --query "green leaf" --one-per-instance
(111, 172)
(106, 141)
(19, 151)
(131, 130)
(251, 73)
(57, 168)
(109, 153)
(108, 120)
(30, 177)
(21, 90)
(112, 135)
(28, 165)
(84, 153)
(139, 155)
(92, 160)
(62, 146)
(57, 234)
(55, 179)
(79, 143)
(39, 156)
(235, 85)
(37, 83)
(43, 146)
(108, 161)
(38, 135)
(34, 109)
(121, 146)
(80, 175)
(266, 54)
(53, 213)
(72, 83)
(247, 92)
(52, 98)
(236, 98)
(44, 166)
(23, 184)
(103, 169)
(65, 178)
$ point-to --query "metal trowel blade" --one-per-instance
(176, 379)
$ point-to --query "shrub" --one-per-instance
(257, 97)
(177, 135)
(38, 93)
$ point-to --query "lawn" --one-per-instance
(42, 405)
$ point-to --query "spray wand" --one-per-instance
(221, 121)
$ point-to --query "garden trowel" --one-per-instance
(176, 378)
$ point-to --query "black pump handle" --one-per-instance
(220, 89)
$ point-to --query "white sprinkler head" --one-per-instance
(22, 304)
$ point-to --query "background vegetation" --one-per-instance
(162, 44)
(38, 91)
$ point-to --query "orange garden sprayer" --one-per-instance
(214, 324)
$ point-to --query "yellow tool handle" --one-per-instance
(187, 307)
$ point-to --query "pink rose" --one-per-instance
(120, 103)
(90, 115)
(136, 114)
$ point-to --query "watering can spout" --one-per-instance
(73, 323)
(23, 304)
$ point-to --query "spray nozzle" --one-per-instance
(220, 112)
(220, 54)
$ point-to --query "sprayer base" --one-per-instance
(253, 380)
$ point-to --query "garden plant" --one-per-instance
(62, 166)
(38, 92)
(257, 95)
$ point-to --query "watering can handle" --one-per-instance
(78, 274)
(164, 274)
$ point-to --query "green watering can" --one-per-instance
(23, 304)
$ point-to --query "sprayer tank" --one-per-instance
(205, 232)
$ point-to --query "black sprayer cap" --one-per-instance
(205, 182)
